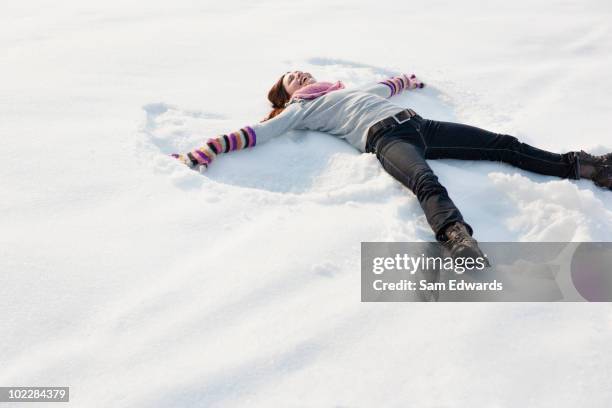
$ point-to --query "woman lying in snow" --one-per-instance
(401, 140)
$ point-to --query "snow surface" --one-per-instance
(140, 283)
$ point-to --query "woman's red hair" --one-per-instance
(278, 96)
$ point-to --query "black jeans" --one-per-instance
(402, 151)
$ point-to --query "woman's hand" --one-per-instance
(413, 82)
(187, 162)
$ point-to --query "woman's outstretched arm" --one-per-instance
(245, 137)
(394, 85)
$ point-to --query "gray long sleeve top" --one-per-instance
(345, 113)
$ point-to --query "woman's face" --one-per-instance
(294, 80)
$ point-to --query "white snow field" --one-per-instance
(140, 283)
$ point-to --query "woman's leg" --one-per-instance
(405, 161)
(458, 141)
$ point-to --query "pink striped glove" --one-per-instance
(204, 155)
(186, 161)
(413, 81)
(398, 84)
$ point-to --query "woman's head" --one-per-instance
(294, 80)
(285, 87)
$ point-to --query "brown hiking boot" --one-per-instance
(461, 244)
(603, 177)
(596, 168)
(592, 159)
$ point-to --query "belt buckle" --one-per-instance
(399, 122)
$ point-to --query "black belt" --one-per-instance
(386, 124)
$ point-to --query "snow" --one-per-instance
(138, 282)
